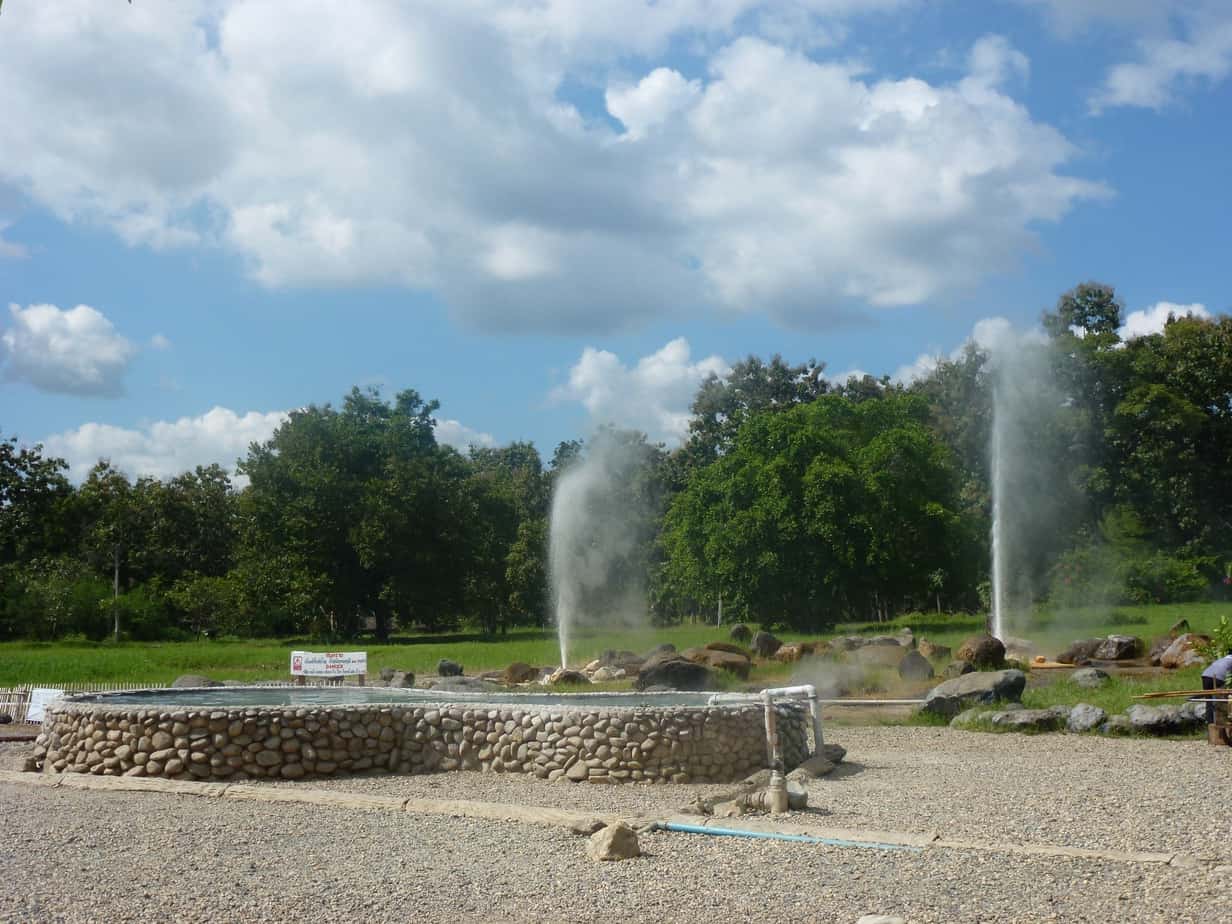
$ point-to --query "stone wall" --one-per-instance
(684, 744)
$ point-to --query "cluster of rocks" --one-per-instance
(1179, 648)
(1085, 718)
(966, 700)
(603, 744)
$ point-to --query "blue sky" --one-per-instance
(551, 213)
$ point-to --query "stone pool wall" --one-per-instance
(676, 744)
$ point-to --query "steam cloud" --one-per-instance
(596, 536)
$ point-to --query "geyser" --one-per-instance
(597, 525)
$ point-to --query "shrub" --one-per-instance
(1162, 578)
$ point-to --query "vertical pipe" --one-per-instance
(815, 712)
(772, 732)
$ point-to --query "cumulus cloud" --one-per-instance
(71, 351)
(1151, 320)
(165, 448)
(461, 437)
(653, 395)
(430, 146)
(660, 94)
(160, 342)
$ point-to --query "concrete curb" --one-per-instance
(541, 815)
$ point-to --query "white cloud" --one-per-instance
(72, 351)
(428, 146)
(160, 342)
(1178, 44)
(653, 395)
(660, 94)
(165, 448)
(1151, 320)
(461, 437)
(1165, 65)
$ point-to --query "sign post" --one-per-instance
(339, 664)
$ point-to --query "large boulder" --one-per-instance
(914, 666)
(403, 680)
(674, 672)
(958, 668)
(1079, 651)
(194, 680)
(740, 633)
(1119, 648)
(615, 842)
(790, 653)
(1166, 720)
(730, 661)
(662, 648)
(519, 672)
(448, 668)
(1183, 652)
(568, 678)
(1084, 718)
(1179, 628)
(728, 647)
(765, 645)
(933, 651)
(1028, 720)
(982, 650)
(621, 659)
(953, 696)
(1091, 678)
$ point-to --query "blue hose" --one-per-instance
(775, 836)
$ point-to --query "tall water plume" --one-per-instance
(1030, 466)
(598, 532)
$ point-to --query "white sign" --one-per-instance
(328, 663)
(39, 698)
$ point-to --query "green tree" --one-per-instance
(751, 387)
(35, 504)
(113, 512)
(830, 509)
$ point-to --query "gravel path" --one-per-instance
(69, 855)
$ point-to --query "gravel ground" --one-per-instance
(68, 855)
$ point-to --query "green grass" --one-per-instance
(1115, 696)
(267, 659)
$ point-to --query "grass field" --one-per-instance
(267, 659)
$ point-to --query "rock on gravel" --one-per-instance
(614, 842)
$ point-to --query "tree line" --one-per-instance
(794, 502)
